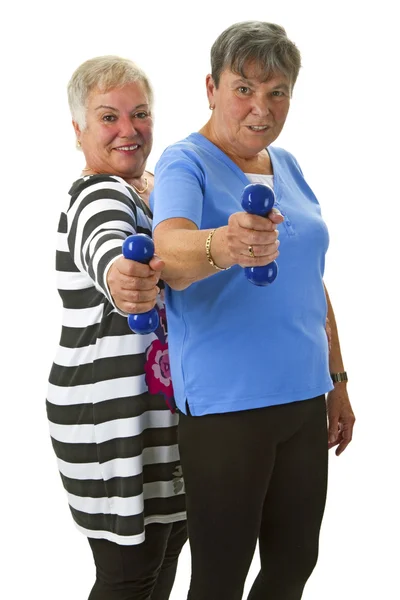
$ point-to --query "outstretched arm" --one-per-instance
(99, 219)
(182, 246)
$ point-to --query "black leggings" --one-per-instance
(254, 475)
(142, 572)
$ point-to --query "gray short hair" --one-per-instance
(105, 73)
(264, 43)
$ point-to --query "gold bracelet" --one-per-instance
(208, 252)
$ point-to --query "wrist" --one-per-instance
(339, 378)
(215, 256)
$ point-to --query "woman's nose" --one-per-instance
(260, 106)
(127, 128)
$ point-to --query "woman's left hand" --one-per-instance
(341, 418)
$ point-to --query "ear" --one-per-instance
(211, 89)
(77, 130)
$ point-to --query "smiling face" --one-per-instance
(249, 113)
(118, 135)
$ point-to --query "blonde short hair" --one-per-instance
(104, 73)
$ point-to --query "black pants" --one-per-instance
(254, 475)
(142, 572)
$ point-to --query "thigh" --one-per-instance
(166, 576)
(226, 467)
(176, 540)
(129, 572)
(295, 501)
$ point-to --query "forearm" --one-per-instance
(183, 251)
(97, 223)
(335, 355)
(96, 253)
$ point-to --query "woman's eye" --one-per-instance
(141, 115)
(244, 90)
(109, 118)
(277, 94)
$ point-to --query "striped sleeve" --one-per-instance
(102, 213)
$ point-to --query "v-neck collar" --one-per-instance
(205, 143)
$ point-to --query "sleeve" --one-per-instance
(178, 187)
(100, 217)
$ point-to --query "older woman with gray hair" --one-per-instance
(110, 392)
(251, 366)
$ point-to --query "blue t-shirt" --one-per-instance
(233, 345)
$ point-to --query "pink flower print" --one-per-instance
(157, 370)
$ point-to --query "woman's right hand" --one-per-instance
(246, 230)
(133, 285)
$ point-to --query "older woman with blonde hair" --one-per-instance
(251, 366)
(110, 393)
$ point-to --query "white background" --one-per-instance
(343, 128)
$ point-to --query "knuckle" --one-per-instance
(234, 219)
(134, 283)
(131, 308)
(150, 304)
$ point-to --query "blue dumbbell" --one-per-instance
(140, 247)
(259, 199)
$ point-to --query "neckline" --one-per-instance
(268, 175)
(212, 148)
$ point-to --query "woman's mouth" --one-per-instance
(130, 148)
(258, 127)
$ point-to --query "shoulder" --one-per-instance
(187, 150)
(91, 183)
(97, 187)
(187, 145)
(284, 158)
(182, 160)
(282, 154)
